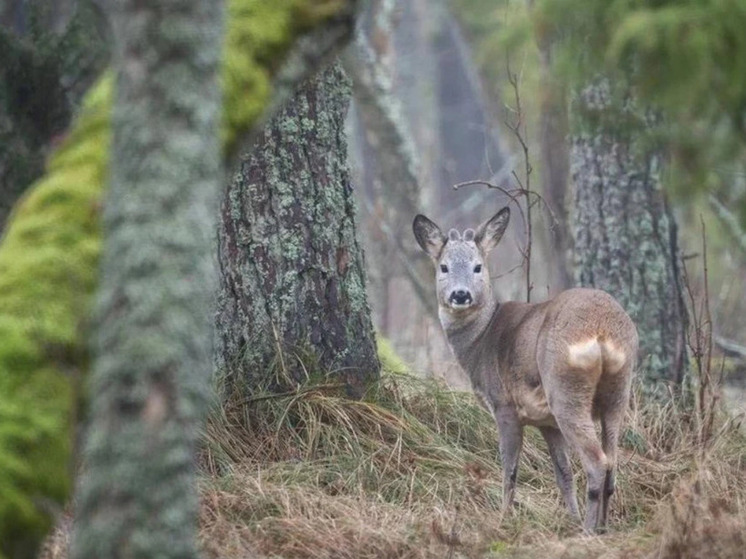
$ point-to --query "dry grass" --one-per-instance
(412, 471)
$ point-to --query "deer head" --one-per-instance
(461, 271)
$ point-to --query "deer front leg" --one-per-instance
(511, 440)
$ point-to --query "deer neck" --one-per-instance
(465, 333)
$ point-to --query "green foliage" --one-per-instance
(257, 37)
(49, 269)
(47, 272)
(685, 59)
(27, 435)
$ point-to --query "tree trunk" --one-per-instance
(624, 233)
(50, 53)
(292, 285)
(137, 496)
(390, 167)
(554, 157)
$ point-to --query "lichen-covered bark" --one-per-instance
(137, 493)
(625, 237)
(49, 256)
(292, 278)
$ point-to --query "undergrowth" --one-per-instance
(412, 470)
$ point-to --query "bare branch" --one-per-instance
(700, 340)
(518, 127)
(524, 192)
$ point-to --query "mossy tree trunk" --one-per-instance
(292, 280)
(152, 354)
(625, 236)
(49, 55)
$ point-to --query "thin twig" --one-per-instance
(513, 194)
(700, 343)
(507, 273)
(518, 127)
(710, 396)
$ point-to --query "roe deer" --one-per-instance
(556, 365)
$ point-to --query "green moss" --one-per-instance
(390, 360)
(47, 272)
(49, 268)
(258, 36)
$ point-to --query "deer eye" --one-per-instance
(477, 269)
(444, 268)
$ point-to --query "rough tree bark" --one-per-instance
(152, 355)
(292, 282)
(625, 235)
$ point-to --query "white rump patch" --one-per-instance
(587, 354)
(584, 355)
(614, 358)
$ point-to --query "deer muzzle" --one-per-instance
(460, 298)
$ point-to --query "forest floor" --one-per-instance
(413, 471)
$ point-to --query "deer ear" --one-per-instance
(429, 236)
(491, 231)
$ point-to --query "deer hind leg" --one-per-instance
(562, 468)
(571, 401)
(581, 434)
(613, 401)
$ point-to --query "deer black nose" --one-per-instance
(460, 297)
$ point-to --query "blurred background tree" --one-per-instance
(625, 237)
(136, 492)
(684, 59)
(50, 53)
